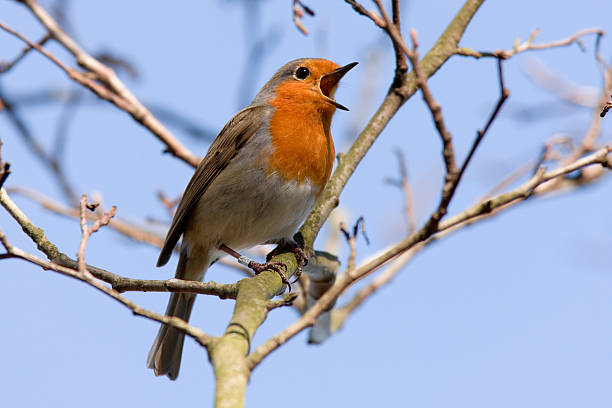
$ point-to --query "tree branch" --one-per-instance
(529, 46)
(119, 283)
(367, 13)
(113, 90)
(227, 355)
(5, 67)
(127, 229)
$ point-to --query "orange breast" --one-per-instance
(299, 127)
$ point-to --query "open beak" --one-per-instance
(329, 82)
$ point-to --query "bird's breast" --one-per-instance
(302, 145)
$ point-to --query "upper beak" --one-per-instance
(330, 80)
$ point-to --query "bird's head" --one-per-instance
(307, 79)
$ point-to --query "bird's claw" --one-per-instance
(277, 267)
(300, 256)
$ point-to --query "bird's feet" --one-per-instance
(277, 267)
(300, 256)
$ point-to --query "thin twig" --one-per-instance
(587, 144)
(436, 111)
(511, 178)
(401, 66)
(524, 191)
(299, 9)
(113, 89)
(450, 186)
(452, 175)
(403, 183)
(286, 300)
(351, 239)
(503, 95)
(86, 231)
(393, 30)
(125, 228)
(529, 46)
(170, 204)
(371, 14)
(5, 67)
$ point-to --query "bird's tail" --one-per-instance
(165, 354)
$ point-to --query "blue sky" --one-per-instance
(514, 311)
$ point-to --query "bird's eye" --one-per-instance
(302, 73)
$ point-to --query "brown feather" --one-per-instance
(223, 149)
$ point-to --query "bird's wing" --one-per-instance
(236, 133)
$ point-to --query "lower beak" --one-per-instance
(330, 80)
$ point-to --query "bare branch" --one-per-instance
(351, 239)
(403, 183)
(371, 14)
(286, 300)
(401, 67)
(221, 290)
(119, 283)
(503, 95)
(5, 67)
(114, 90)
(128, 229)
(170, 204)
(587, 144)
(87, 231)
(125, 228)
(394, 32)
(529, 46)
(299, 9)
(525, 191)
(436, 112)
(453, 174)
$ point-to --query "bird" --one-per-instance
(256, 184)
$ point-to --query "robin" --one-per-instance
(257, 183)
